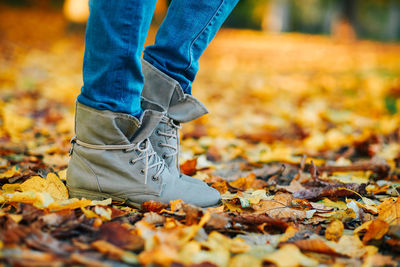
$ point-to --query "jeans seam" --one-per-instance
(122, 81)
(202, 31)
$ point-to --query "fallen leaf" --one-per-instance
(281, 257)
(389, 211)
(373, 230)
(189, 167)
(116, 234)
(14, 171)
(52, 185)
(315, 245)
(334, 231)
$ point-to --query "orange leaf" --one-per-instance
(315, 245)
(244, 183)
(189, 167)
(389, 211)
(153, 206)
(222, 186)
(373, 230)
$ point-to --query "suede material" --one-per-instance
(112, 172)
(103, 127)
(161, 90)
(166, 92)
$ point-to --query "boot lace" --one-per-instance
(172, 133)
(146, 153)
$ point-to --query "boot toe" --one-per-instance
(205, 196)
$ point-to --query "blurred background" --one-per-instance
(292, 76)
(371, 19)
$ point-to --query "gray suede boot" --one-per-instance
(112, 157)
(166, 92)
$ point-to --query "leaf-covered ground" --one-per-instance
(302, 142)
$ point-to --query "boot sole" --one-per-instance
(93, 195)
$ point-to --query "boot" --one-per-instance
(112, 157)
(166, 92)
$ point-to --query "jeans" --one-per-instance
(114, 40)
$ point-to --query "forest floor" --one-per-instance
(302, 141)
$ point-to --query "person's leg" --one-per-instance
(183, 36)
(171, 64)
(111, 155)
(115, 36)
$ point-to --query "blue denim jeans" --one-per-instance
(115, 36)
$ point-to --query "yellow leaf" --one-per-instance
(63, 174)
(245, 260)
(89, 213)
(176, 204)
(289, 256)
(39, 200)
(72, 203)
(15, 217)
(52, 185)
(14, 171)
(334, 204)
(10, 188)
(13, 123)
(334, 230)
(290, 232)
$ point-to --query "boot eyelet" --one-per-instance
(141, 171)
(131, 162)
(159, 144)
(155, 179)
(158, 132)
(164, 156)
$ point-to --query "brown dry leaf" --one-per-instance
(119, 236)
(279, 208)
(52, 185)
(217, 221)
(189, 167)
(315, 245)
(334, 231)
(294, 186)
(389, 211)
(373, 230)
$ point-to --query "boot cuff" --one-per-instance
(103, 127)
(166, 92)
